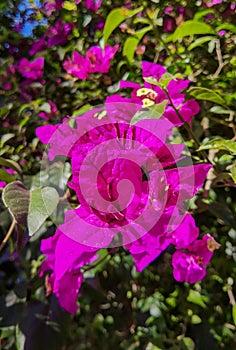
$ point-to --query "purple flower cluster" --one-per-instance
(31, 70)
(57, 35)
(130, 186)
(96, 60)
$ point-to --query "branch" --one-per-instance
(8, 235)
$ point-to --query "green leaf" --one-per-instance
(205, 94)
(67, 5)
(162, 82)
(227, 26)
(45, 107)
(4, 176)
(188, 28)
(220, 144)
(16, 198)
(220, 110)
(115, 18)
(85, 108)
(196, 298)
(199, 42)
(153, 112)
(233, 171)
(11, 164)
(132, 42)
(188, 343)
(234, 314)
(152, 81)
(202, 13)
(30, 208)
(43, 202)
(222, 212)
(151, 346)
(195, 319)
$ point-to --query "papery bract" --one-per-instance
(31, 70)
(190, 265)
(64, 258)
(151, 94)
(96, 60)
(93, 5)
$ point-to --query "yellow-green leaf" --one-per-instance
(132, 42)
(205, 94)
(188, 28)
(115, 18)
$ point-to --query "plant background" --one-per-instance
(120, 308)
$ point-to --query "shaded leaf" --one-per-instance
(222, 212)
(43, 202)
(233, 171)
(11, 164)
(16, 198)
(30, 208)
(4, 176)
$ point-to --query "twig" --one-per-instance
(187, 127)
(219, 58)
(231, 297)
(8, 235)
(99, 261)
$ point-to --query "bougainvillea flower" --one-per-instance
(57, 35)
(96, 60)
(150, 94)
(32, 70)
(93, 5)
(155, 211)
(64, 258)
(130, 186)
(78, 67)
(190, 265)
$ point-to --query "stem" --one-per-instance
(187, 127)
(8, 235)
(98, 262)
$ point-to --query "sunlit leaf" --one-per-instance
(221, 144)
(227, 26)
(115, 18)
(199, 42)
(234, 314)
(153, 112)
(188, 28)
(196, 298)
(132, 42)
(205, 94)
